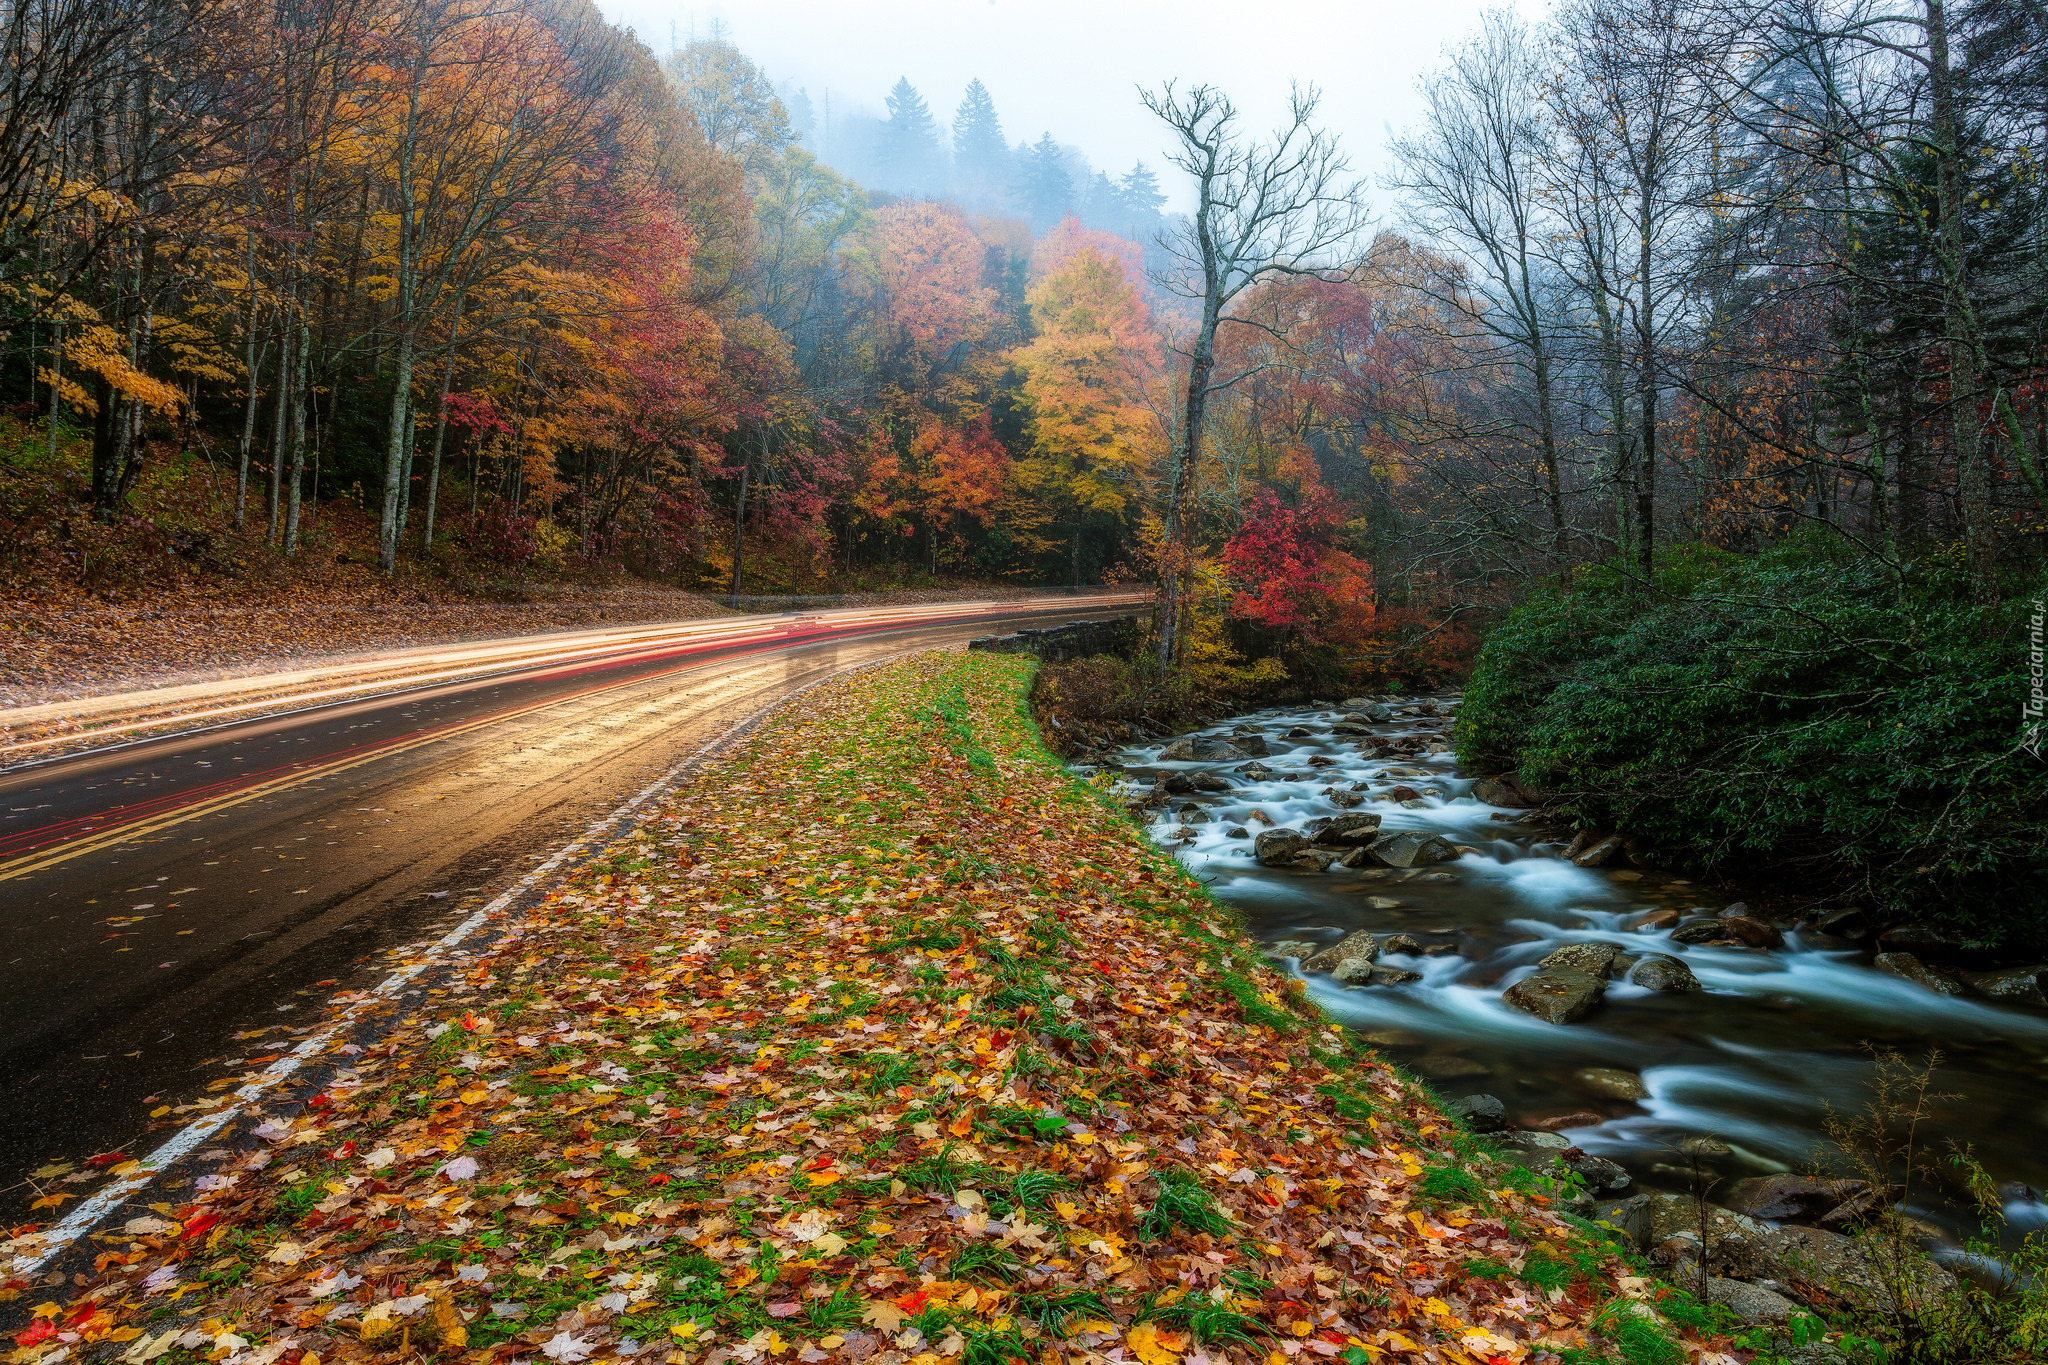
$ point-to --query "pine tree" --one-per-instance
(1141, 193)
(910, 138)
(978, 132)
(1044, 187)
(1103, 206)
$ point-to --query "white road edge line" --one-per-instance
(87, 1216)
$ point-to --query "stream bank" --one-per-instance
(1666, 1030)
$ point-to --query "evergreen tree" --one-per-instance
(1141, 194)
(1043, 186)
(1103, 206)
(803, 118)
(910, 139)
(978, 134)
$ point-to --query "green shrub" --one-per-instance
(1799, 713)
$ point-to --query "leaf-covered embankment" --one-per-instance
(883, 1039)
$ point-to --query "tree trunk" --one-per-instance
(279, 426)
(56, 388)
(256, 359)
(1973, 480)
(298, 472)
(1173, 552)
(1646, 442)
(441, 429)
(394, 456)
(739, 529)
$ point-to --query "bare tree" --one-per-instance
(1286, 205)
(1474, 174)
(1633, 101)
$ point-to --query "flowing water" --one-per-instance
(1756, 1061)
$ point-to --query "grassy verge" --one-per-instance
(887, 1040)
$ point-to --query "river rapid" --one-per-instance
(1755, 1062)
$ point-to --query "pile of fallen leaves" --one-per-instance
(884, 1040)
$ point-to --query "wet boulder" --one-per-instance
(1312, 860)
(1702, 931)
(1254, 771)
(1400, 943)
(1360, 947)
(1448, 1066)
(1250, 742)
(1592, 958)
(1349, 830)
(1907, 967)
(1931, 944)
(1383, 975)
(1658, 972)
(1237, 832)
(1177, 784)
(1750, 1302)
(1412, 849)
(1181, 750)
(1482, 1113)
(1300, 732)
(1343, 799)
(1779, 1197)
(1846, 923)
(2014, 985)
(1652, 921)
(1558, 995)
(1751, 931)
(1209, 782)
(1352, 728)
(1373, 711)
(1292, 947)
(1531, 1149)
(1557, 1123)
(1598, 1172)
(1599, 852)
(1279, 847)
(1494, 791)
(1612, 1083)
(1630, 1217)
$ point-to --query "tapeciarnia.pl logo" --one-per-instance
(2031, 709)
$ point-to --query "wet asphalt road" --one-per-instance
(161, 897)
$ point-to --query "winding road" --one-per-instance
(162, 895)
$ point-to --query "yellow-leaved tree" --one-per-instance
(1093, 435)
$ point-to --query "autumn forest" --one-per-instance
(1661, 309)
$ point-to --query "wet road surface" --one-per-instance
(159, 898)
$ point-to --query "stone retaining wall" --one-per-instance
(1075, 640)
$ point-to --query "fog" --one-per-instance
(1071, 68)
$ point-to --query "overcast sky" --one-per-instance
(1072, 67)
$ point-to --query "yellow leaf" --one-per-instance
(51, 1201)
(820, 1179)
(476, 1096)
(1152, 1346)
